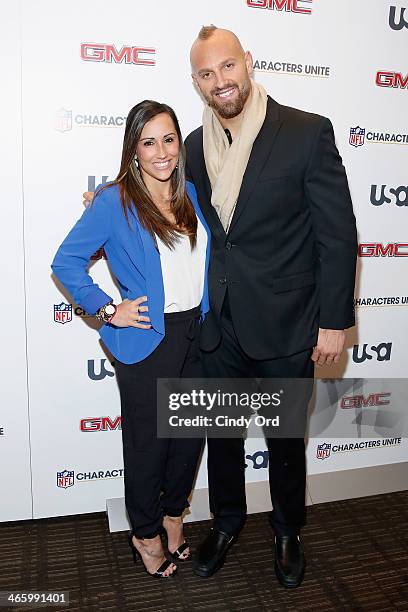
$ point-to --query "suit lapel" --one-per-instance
(260, 152)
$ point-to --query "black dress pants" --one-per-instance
(226, 457)
(159, 473)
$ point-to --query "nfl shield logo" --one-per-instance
(65, 479)
(63, 120)
(357, 136)
(62, 313)
(323, 451)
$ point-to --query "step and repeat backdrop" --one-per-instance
(71, 72)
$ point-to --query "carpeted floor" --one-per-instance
(357, 555)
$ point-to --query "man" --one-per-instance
(272, 187)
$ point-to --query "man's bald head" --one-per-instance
(221, 70)
(217, 37)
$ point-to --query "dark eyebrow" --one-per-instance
(225, 61)
(165, 136)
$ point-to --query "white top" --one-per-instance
(183, 271)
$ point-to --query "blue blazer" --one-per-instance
(135, 262)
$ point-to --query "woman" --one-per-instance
(157, 243)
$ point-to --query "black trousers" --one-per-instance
(159, 473)
(226, 457)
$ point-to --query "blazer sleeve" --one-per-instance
(334, 226)
(71, 261)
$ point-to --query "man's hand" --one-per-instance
(88, 197)
(330, 344)
(128, 314)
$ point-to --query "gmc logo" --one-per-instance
(398, 194)
(99, 52)
(100, 424)
(289, 6)
(376, 249)
(391, 79)
(359, 401)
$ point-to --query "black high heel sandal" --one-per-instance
(160, 570)
(177, 554)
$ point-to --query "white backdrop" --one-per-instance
(15, 473)
(64, 118)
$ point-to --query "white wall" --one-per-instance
(352, 41)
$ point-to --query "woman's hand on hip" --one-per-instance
(128, 314)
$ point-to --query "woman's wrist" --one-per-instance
(106, 312)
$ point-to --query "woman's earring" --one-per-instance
(137, 162)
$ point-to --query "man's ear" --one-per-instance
(249, 63)
(195, 83)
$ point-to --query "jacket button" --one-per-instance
(229, 246)
(223, 280)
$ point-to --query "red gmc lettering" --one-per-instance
(398, 251)
(400, 81)
(366, 250)
(376, 249)
(99, 52)
(279, 5)
(374, 399)
(382, 251)
(101, 424)
(93, 424)
(112, 424)
(349, 402)
(299, 9)
(117, 57)
(391, 79)
(385, 79)
(92, 52)
(140, 51)
(293, 6)
(379, 399)
(263, 4)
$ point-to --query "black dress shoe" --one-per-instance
(289, 561)
(212, 552)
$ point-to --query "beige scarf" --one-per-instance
(226, 164)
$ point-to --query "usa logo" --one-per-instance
(62, 313)
(323, 451)
(63, 120)
(65, 479)
(357, 136)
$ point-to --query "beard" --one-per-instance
(228, 110)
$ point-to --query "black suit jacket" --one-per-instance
(288, 260)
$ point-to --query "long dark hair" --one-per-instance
(134, 194)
